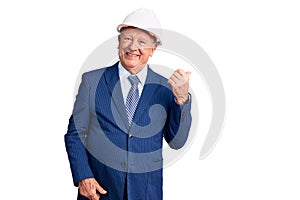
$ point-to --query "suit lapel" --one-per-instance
(118, 107)
(151, 85)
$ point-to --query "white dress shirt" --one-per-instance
(126, 85)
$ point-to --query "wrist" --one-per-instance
(181, 100)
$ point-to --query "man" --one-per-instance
(121, 114)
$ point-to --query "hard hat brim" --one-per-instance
(121, 26)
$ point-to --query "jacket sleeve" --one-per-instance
(178, 123)
(76, 134)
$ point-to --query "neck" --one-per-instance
(134, 70)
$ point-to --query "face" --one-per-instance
(135, 48)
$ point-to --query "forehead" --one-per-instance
(136, 32)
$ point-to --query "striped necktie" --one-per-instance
(133, 97)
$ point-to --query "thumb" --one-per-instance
(100, 189)
(188, 73)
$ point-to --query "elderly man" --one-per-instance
(121, 113)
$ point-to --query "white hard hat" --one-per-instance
(143, 19)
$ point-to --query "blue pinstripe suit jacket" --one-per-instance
(101, 144)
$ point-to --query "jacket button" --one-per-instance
(123, 164)
(130, 135)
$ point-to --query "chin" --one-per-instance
(132, 64)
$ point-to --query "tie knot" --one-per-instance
(133, 79)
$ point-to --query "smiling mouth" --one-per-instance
(131, 55)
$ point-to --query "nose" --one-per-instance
(134, 45)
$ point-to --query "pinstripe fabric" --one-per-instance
(98, 142)
(133, 97)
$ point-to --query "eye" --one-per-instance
(142, 42)
(127, 38)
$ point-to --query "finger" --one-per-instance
(183, 75)
(171, 82)
(95, 197)
(175, 79)
(92, 191)
(100, 189)
(180, 71)
(188, 73)
(177, 75)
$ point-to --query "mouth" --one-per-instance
(132, 55)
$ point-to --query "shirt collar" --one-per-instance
(142, 75)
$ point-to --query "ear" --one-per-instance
(119, 41)
(152, 50)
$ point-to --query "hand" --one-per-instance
(89, 187)
(179, 82)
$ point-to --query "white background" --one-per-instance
(255, 46)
